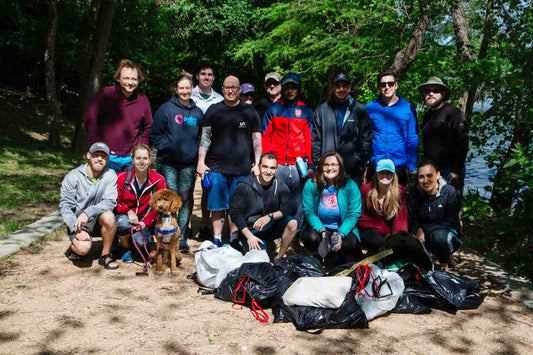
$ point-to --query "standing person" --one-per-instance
(434, 209)
(342, 124)
(204, 96)
(176, 135)
(88, 197)
(395, 136)
(287, 134)
(272, 88)
(332, 207)
(262, 209)
(247, 93)
(231, 130)
(135, 188)
(444, 132)
(384, 207)
(120, 116)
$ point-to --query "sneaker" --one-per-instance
(237, 246)
(184, 247)
(127, 257)
(218, 243)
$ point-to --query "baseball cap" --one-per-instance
(385, 164)
(341, 77)
(99, 147)
(247, 88)
(273, 75)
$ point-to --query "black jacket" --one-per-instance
(246, 204)
(434, 212)
(354, 144)
(176, 133)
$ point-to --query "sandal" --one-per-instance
(72, 256)
(102, 261)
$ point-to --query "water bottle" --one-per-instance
(207, 180)
(334, 239)
(302, 166)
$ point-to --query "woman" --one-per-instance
(384, 207)
(332, 205)
(434, 212)
(135, 188)
(176, 135)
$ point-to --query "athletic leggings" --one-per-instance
(349, 251)
(442, 243)
(372, 240)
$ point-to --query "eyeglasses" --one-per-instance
(272, 82)
(230, 88)
(432, 90)
(332, 165)
(387, 83)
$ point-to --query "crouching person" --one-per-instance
(263, 210)
(88, 197)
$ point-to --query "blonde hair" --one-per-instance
(391, 204)
(141, 147)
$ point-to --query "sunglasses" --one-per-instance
(272, 82)
(432, 90)
(387, 83)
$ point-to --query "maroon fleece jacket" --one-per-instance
(118, 121)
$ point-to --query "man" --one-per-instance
(394, 136)
(120, 116)
(262, 208)
(88, 197)
(203, 94)
(342, 124)
(231, 128)
(444, 132)
(247, 93)
(287, 134)
(272, 88)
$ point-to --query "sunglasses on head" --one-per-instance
(387, 83)
(432, 90)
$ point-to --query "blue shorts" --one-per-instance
(271, 231)
(118, 163)
(219, 193)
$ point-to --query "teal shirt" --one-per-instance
(349, 200)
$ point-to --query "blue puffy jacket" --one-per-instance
(395, 134)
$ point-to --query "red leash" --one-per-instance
(262, 316)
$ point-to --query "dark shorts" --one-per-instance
(92, 227)
(222, 189)
(271, 231)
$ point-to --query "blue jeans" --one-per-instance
(180, 180)
(290, 176)
(222, 189)
(124, 228)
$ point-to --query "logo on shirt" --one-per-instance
(298, 112)
(179, 119)
(188, 121)
(242, 124)
(329, 200)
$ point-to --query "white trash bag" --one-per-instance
(381, 293)
(322, 292)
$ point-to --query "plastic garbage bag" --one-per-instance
(323, 292)
(253, 256)
(210, 260)
(250, 282)
(461, 292)
(378, 290)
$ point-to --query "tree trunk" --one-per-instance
(404, 58)
(54, 108)
(92, 81)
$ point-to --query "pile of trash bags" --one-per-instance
(297, 289)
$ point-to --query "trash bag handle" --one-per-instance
(247, 278)
(367, 271)
(263, 317)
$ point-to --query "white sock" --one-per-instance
(233, 236)
(217, 237)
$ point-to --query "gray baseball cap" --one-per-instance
(273, 75)
(99, 147)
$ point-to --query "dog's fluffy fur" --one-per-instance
(164, 201)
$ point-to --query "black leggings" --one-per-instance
(442, 243)
(372, 240)
(349, 251)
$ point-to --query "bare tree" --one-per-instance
(54, 108)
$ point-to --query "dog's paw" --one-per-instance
(174, 272)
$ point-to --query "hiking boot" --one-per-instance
(127, 257)
(237, 246)
(184, 247)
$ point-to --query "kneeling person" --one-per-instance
(263, 209)
(88, 197)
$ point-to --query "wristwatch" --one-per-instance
(271, 215)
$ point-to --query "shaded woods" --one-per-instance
(64, 51)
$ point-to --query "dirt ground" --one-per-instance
(50, 306)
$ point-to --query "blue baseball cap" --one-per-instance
(247, 88)
(385, 164)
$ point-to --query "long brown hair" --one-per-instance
(391, 204)
(339, 181)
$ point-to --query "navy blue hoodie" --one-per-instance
(176, 133)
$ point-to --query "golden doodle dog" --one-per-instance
(167, 233)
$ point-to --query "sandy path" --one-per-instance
(47, 305)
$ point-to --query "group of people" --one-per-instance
(273, 168)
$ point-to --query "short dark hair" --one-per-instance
(268, 156)
(426, 161)
(126, 63)
(387, 73)
(205, 64)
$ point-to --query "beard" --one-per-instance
(434, 103)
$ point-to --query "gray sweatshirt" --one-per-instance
(80, 194)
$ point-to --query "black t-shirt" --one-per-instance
(445, 134)
(231, 139)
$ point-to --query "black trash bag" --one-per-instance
(260, 281)
(343, 267)
(461, 292)
(290, 269)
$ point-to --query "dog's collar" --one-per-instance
(165, 232)
(166, 214)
